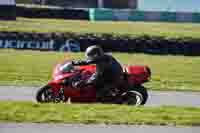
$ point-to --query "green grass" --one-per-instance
(98, 114)
(34, 68)
(169, 30)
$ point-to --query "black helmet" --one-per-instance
(93, 51)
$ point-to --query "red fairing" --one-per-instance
(76, 95)
(91, 68)
(56, 70)
(138, 74)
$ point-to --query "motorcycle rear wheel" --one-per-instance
(136, 95)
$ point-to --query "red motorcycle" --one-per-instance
(130, 91)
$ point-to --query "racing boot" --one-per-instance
(104, 93)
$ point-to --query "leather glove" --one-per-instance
(79, 63)
(79, 84)
(76, 62)
(73, 62)
(65, 82)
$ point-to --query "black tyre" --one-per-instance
(44, 95)
(136, 95)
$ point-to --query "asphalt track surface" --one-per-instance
(63, 128)
(156, 98)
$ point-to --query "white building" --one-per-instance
(7, 2)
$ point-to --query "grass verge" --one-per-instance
(98, 114)
(168, 30)
(34, 68)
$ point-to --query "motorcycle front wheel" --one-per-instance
(45, 94)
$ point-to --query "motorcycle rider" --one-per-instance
(108, 70)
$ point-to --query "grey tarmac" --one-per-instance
(65, 128)
(156, 98)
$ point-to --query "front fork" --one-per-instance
(58, 92)
(61, 97)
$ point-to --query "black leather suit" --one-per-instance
(108, 71)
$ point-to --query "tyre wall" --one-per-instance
(7, 10)
(75, 43)
(61, 13)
